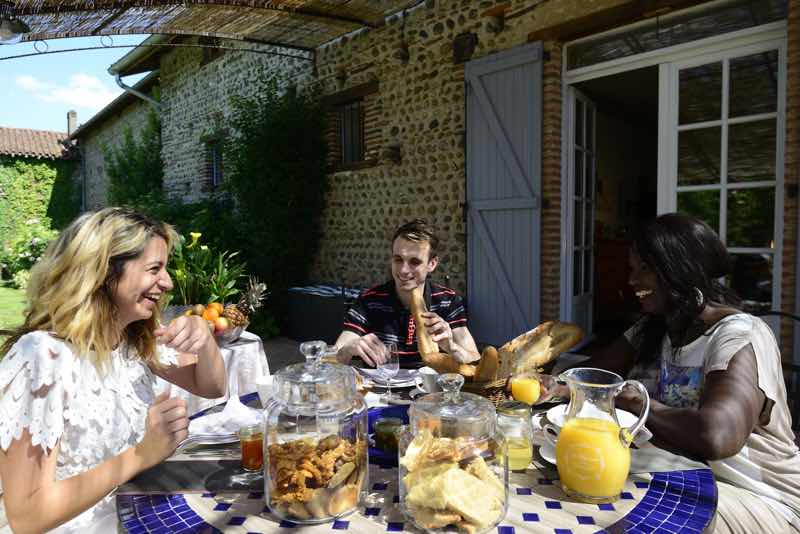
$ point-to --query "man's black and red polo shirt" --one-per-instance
(379, 311)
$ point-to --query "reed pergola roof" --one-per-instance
(300, 24)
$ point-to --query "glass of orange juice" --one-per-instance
(525, 387)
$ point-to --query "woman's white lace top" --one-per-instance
(57, 395)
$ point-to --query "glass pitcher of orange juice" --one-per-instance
(592, 450)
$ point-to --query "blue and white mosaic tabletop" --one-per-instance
(682, 501)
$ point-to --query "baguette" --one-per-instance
(531, 350)
(487, 367)
(425, 343)
(444, 363)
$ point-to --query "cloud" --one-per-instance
(29, 83)
(82, 91)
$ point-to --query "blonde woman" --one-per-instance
(80, 415)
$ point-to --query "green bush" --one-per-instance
(135, 170)
(34, 193)
(275, 169)
(20, 280)
(24, 251)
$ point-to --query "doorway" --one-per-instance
(625, 188)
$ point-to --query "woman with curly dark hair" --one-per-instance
(714, 375)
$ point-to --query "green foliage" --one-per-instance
(12, 307)
(275, 169)
(33, 190)
(201, 275)
(20, 280)
(135, 170)
(26, 249)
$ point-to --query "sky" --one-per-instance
(37, 92)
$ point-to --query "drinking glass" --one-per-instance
(389, 368)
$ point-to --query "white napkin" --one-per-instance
(228, 421)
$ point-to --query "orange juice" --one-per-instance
(525, 389)
(592, 462)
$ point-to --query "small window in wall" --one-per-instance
(351, 132)
(354, 130)
(214, 162)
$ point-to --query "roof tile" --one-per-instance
(23, 142)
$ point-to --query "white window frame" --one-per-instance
(759, 38)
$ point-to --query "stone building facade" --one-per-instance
(196, 95)
(416, 127)
(107, 129)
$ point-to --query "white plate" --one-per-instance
(556, 416)
(548, 452)
(403, 378)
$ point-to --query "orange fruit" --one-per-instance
(217, 306)
(210, 314)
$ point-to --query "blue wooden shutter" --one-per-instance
(504, 125)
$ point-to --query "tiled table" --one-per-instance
(664, 502)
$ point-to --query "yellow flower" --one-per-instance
(195, 237)
(203, 247)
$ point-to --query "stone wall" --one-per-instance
(423, 107)
(110, 132)
(196, 100)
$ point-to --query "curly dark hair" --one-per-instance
(688, 259)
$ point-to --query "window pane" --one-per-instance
(578, 173)
(751, 217)
(751, 151)
(577, 263)
(702, 204)
(589, 129)
(752, 280)
(579, 122)
(754, 84)
(670, 30)
(699, 156)
(578, 241)
(588, 222)
(700, 94)
(587, 271)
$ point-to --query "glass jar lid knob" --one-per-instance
(451, 384)
(313, 351)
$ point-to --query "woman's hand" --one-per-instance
(166, 426)
(185, 334)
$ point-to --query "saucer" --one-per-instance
(548, 453)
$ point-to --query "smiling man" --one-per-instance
(382, 314)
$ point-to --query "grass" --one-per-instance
(12, 303)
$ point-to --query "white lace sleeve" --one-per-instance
(167, 356)
(35, 379)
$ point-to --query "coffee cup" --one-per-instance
(427, 380)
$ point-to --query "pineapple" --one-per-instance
(239, 314)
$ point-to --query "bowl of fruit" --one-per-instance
(229, 321)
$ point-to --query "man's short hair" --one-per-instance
(418, 231)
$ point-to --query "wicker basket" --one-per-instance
(494, 390)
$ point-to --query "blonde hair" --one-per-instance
(71, 288)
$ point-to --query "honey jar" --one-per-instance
(251, 438)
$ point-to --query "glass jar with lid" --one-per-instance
(453, 462)
(315, 453)
(514, 421)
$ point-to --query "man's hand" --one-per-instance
(166, 426)
(185, 334)
(369, 348)
(440, 331)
